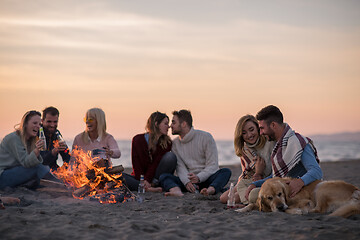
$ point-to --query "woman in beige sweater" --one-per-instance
(254, 151)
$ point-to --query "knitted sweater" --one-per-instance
(196, 153)
(106, 141)
(13, 153)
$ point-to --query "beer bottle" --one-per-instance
(43, 138)
(61, 140)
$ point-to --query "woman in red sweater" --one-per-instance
(151, 154)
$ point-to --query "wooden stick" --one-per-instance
(115, 169)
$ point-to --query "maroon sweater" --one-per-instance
(141, 162)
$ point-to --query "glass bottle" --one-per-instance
(231, 196)
(61, 140)
(43, 138)
(141, 189)
(59, 137)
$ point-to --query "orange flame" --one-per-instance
(86, 178)
(56, 144)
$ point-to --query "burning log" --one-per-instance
(81, 192)
(102, 163)
(115, 169)
(94, 178)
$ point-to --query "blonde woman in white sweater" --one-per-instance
(254, 151)
(197, 165)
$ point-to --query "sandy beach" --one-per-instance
(54, 215)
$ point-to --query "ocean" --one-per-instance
(328, 151)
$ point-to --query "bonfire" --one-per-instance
(89, 177)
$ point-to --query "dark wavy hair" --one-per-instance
(152, 127)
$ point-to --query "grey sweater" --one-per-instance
(13, 153)
(196, 153)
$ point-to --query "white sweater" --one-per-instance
(196, 153)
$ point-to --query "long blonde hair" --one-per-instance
(152, 127)
(99, 115)
(21, 130)
(239, 141)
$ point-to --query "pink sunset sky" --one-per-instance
(220, 59)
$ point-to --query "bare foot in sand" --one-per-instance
(175, 191)
(208, 191)
(154, 189)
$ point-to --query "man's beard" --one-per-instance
(271, 136)
(48, 131)
(175, 132)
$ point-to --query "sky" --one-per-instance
(219, 59)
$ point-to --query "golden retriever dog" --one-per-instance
(338, 197)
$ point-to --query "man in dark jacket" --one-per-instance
(50, 118)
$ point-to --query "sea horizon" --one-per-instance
(330, 148)
(328, 151)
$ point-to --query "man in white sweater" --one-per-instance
(197, 160)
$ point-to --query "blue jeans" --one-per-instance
(167, 164)
(19, 175)
(218, 180)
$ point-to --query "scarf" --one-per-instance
(288, 151)
(248, 160)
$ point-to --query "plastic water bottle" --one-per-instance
(141, 189)
(42, 137)
(231, 196)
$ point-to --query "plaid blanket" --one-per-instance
(288, 150)
(248, 162)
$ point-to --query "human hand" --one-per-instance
(55, 151)
(256, 177)
(190, 187)
(259, 165)
(193, 178)
(108, 152)
(248, 190)
(59, 146)
(147, 184)
(39, 144)
(62, 146)
(295, 186)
